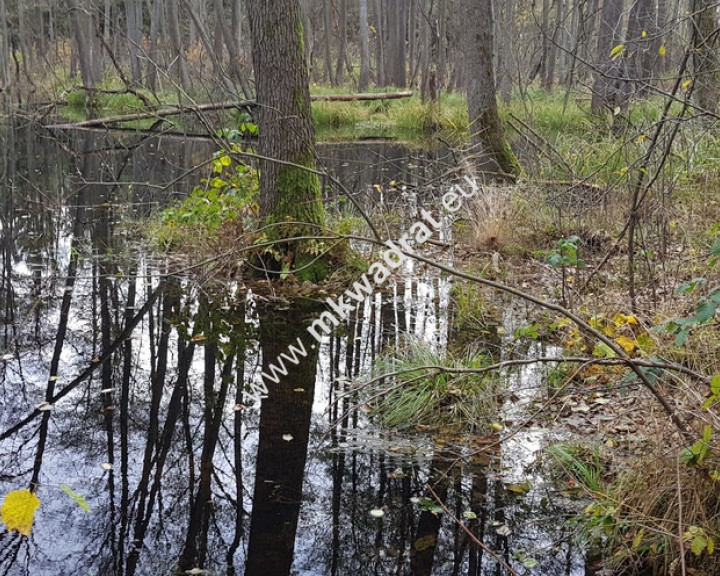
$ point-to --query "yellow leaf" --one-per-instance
(618, 51)
(644, 34)
(662, 50)
(18, 510)
(687, 84)
(628, 344)
(638, 539)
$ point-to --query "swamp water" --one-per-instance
(120, 382)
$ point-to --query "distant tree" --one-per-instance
(705, 54)
(485, 126)
(289, 190)
(364, 79)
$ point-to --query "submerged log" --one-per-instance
(199, 108)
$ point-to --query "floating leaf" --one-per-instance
(521, 488)
(106, 466)
(504, 530)
(377, 513)
(470, 515)
(529, 562)
(44, 406)
(7, 357)
(287, 437)
(79, 499)
(18, 510)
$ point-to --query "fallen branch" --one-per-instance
(195, 109)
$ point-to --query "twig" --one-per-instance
(471, 535)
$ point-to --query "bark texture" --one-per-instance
(495, 154)
(286, 129)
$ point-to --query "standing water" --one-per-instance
(122, 407)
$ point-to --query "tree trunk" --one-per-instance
(178, 52)
(506, 54)
(640, 34)
(286, 129)
(84, 54)
(547, 68)
(705, 54)
(152, 66)
(327, 20)
(380, 77)
(342, 44)
(488, 133)
(442, 44)
(608, 88)
(134, 24)
(364, 47)
(5, 55)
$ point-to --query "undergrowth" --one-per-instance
(417, 387)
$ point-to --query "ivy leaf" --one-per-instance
(79, 499)
(18, 511)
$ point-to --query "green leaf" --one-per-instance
(682, 337)
(79, 499)
(602, 350)
(705, 311)
(691, 286)
(715, 385)
(699, 543)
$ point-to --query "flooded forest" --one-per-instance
(359, 287)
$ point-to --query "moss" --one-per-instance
(309, 268)
(299, 197)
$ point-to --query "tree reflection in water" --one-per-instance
(150, 373)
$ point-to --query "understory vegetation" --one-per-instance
(621, 229)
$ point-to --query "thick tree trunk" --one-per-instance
(364, 47)
(286, 129)
(487, 130)
(705, 54)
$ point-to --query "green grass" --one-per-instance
(407, 119)
(418, 395)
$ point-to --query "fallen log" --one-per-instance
(198, 108)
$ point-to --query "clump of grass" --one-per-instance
(422, 388)
(636, 511)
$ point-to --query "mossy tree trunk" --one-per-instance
(495, 154)
(288, 193)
